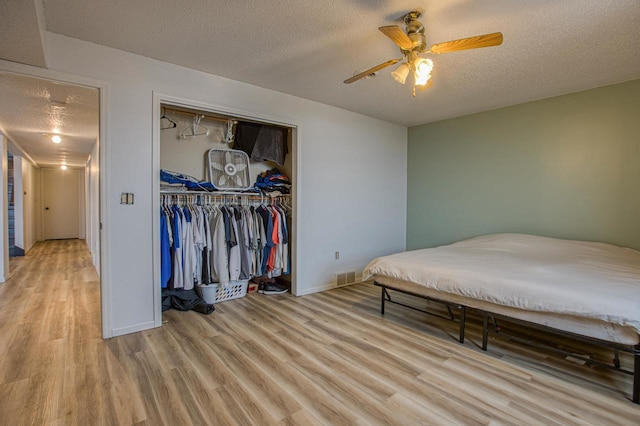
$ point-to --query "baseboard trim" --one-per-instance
(324, 287)
(132, 328)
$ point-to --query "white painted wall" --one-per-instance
(87, 206)
(26, 197)
(353, 172)
(30, 187)
(92, 196)
(18, 202)
(4, 212)
(82, 204)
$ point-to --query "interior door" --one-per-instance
(61, 203)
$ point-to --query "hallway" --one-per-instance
(50, 332)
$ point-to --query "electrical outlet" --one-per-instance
(337, 255)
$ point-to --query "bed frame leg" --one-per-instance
(636, 375)
(463, 315)
(485, 330)
(382, 291)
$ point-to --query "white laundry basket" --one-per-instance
(208, 292)
(215, 293)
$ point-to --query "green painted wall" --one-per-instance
(566, 167)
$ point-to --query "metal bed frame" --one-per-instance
(386, 297)
(486, 315)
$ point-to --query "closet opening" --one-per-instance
(225, 211)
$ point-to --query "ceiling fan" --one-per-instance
(413, 43)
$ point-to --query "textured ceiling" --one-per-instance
(29, 118)
(21, 28)
(308, 47)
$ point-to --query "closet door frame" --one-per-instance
(265, 117)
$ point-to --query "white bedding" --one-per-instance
(591, 280)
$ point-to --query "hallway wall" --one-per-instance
(31, 201)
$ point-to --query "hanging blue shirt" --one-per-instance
(165, 252)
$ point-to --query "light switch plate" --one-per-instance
(126, 198)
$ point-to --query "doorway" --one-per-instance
(219, 114)
(50, 127)
(62, 191)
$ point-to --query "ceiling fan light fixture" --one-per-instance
(400, 74)
(423, 68)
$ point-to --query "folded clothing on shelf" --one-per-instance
(177, 180)
(273, 180)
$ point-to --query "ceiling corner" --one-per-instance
(22, 31)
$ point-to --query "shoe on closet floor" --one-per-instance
(267, 287)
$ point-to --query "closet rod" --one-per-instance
(191, 114)
(216, 193)
(224, 120)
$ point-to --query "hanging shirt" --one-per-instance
(234, 250)
(165, 251)
(206, 253)
(178, 258)
(189, 254)
(285, 239)
(198, 241)
(219, 253)
(267, 222)
(271, 261)
(245, 252)
(260, 237)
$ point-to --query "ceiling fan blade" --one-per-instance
(370, 71)
(486, 40)
(398, 36)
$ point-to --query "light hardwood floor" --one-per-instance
(327, 358)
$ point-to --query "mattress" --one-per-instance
(587, 288)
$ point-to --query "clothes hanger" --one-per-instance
(172, 123)
(195, 128)
(228, 139)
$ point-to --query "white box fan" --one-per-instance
(229, 169)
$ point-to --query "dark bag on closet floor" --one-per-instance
(185, 300)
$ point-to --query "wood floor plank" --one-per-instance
(243, 405)
(251, 376)
(323, 359)
(323, 405)
(213, 404)
(301, 417)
